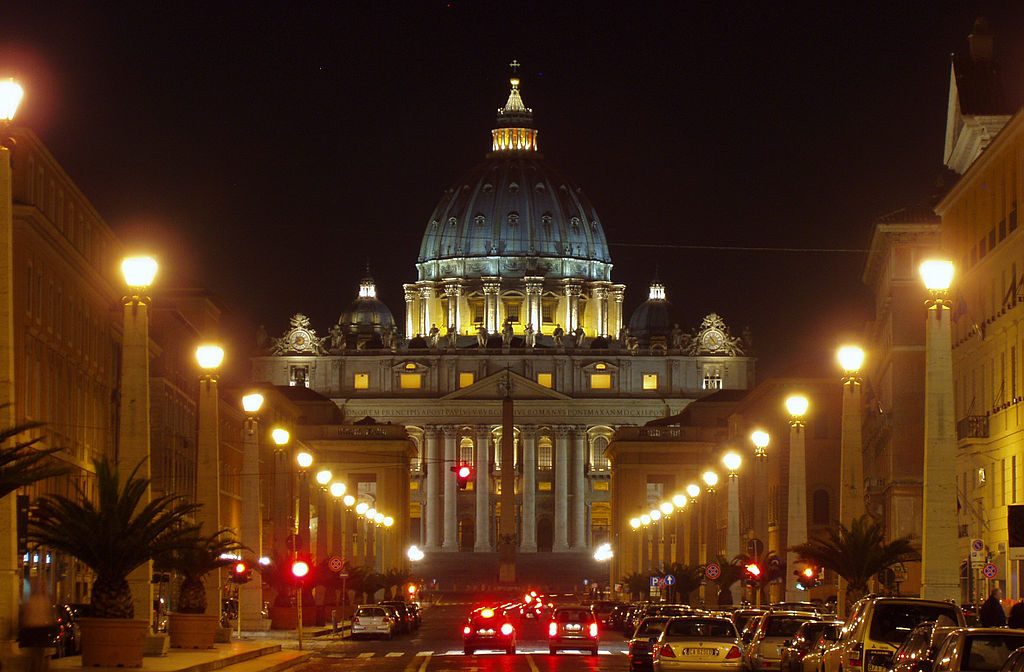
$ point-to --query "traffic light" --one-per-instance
(808, 577)
(463, 474)
(753, 573)
(300, 568)
(241, 572)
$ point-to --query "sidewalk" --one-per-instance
(241, 656)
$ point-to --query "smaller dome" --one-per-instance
(367, 315)
(653, 317)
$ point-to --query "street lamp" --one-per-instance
(11, 95)
(732, 461)
(250, 594)
(209, 357)
(304, 460)
(760, 439)
(337, 489)
(693, 490)
(939, 544)
(362, 508)
(851, 457)
(324, 476)
(710, 479)
(348, 501)
(252, 403)
(280, 437)
(796, 526)
(414, 554)
(679, 501)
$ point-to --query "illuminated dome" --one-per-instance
(653, 317)
(367, 314)
(514, 215)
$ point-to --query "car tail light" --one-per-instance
(506, 629)
(734, 653)
(552, 629)
(666, 652)
(466, 629)
(593, 629)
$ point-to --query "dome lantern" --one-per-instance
(515, 131)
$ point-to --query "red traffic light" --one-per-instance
(240, 567)
(753, 570)
(463, 474)
(240, 572)
(464, 471)
(809, 572)
(300, 569)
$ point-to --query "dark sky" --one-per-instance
(267, 150)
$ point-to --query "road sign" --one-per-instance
(977, 545)
(670, 580)
(655, 580)
(755, 547)
(713, 571)
(977, 552)
(343, 575)
(989, 571)
(900, 571)
(335, 564)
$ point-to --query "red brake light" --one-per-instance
(593, 629)
(552, 629)
(506, 629)
(466, 629)
(487, 613)
(734, 652)
(667, 652)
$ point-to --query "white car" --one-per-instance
(698, 643)
(372, 619)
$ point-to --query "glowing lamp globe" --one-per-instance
(138, 272)
(378, 518)
(304, 459)
(679, 501)
(388, 521)
(323, 477)
(362, 507)
(732, 461)
(252, 403)
(11, 94)
(348, 500)
(280, 436)
(760, 439)
(851, 358)
(645, 519)
(710, 478)
(371, 513)
(209, 356)
(337, 489)
(655, 515)
(796, 405)
(415, 555)
(693, 490)
(634, 523)
(666, 508)
(937, 274)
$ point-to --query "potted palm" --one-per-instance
(113, 535)
(189, 626)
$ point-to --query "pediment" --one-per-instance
(493, 388)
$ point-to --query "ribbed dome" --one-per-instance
(367, 314)
(514, 215)
(653, 317)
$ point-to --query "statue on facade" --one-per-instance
(530, 335)
(453, 336)
(558, 334)
(337, 338)
(632, 344)
(262, 340)
(623, 335)
(506, 333)
(577, 336)
(481, 336)
(677, 337)
(435, 333)
(389, 337)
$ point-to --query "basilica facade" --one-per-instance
(514, 298)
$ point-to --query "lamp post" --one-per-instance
(250, 594)
(940, 560)
(645, 521)
(304, 460)
(634, 524)
(679, 501)
(133, 449)
(851, 492)
(796, 524)
(710, 515)
(10, 591)
(209, 357)
(693, 528)
(732, 461)
(657, 537)
(760, 439)
(282, 496)
(667, 510)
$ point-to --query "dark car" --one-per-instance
(794, 650)
(641, 644)
(977, 649)
(917, 652)
(617, 619)
(488, 628)
(572, 628)
(603, 612)
(406, 616)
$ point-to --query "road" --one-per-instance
(437, 647)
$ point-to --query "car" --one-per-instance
(917, 652)
(572, 628)
(399, 625)
(1015, 663)
(68, 641)
(406, 619)
(750, 629)
(488, 628)
(602, 611)
(877, 626)
(806, 607)
(617, 619)
(698, 643)
(977, 649)
(774, 629)
(828, 637)
(667, 610)
(794, 650)
(741, 617)
(372, 619)
(641, 644)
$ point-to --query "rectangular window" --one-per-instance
(544, 380)
(1002, 230)
(601, 486)
(512, 311)
(991, 238)
(410, 381)
(544, 486)
(650, 381)
(547, 312)
(298, 376)
(414, 485)
(600, 381)
(361, 381)
(465, 379)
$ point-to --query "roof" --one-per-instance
(978, 86)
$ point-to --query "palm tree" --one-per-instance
(394, 579)
(857, 553)
(114, 535)
(202, 555)
(688, 578)
(23, 463)
(372, 582)
(638, 584)
(772, 568)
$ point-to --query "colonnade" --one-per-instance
(440, 506)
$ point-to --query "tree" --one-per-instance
(688, 579)
(394, 579)
(23, 463)
(857, 553)
(772, 568)
(372, 582)
(638, 584)
(113, 535)
(193, 561)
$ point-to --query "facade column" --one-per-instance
(600, 295)
(560, 543)
(618, 294)
(534, 315)
(426, 308)
(412, 316)
(451, 491)
(796, 526)
(482, 489)
(250, 595)
(10, 574)
(492, 287)
(573, 289)
(579, 487)
(453, 292)
(435, 469)
(528, 536)
(208, 471)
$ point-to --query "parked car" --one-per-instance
(750, 629)
(617, 619)
(372, 619)
(877, 626)
(67, 640)
(807, 607)
(741, 617)
(641, 644)
(698, 643)
(917, 652)
(794, 650)
(572, 628)
(602, 611)
(828, 637)
(977, 649)
(488, 628)
(774, 629)
(1015, 663)
(405, 620)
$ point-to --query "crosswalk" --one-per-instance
(461, 653)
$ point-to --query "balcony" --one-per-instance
(972, 427)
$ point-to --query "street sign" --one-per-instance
(335, 564)
(655, 580)
(712, 571)
(977, 552)
(900, 571)
(989, 571)
(670, 580)
(755, 547)
(343, 575)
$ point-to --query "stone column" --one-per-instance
(560, 543)
(482, 488)
(426, 308)
(208, 472)
(618, 294)
(573, 289)
(579, 487)
(451, 491)
(435, 472)
(492, 287)
(412, 316)
(528, 537)
(250, 595)
(851, 494)
(10, 575)
(453, 291)
(732, 527)
(600, 296)
(534, 289)
(796, 525)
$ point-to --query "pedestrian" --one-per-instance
(37, 629)
(1016, 619)
(991, 614)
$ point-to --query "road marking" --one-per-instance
(394, 654)
(425, 653)
(533, 665)
(368, 654)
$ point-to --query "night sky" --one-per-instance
(268, 150)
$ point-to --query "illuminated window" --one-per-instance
(361, 381)
(512, 310)
(712, 378)
(409, 366)
(466, 452)
(650, 381)
(465, 379)
(544, 486)
(415, 485)
(544, 380)
(598, 462)
(600, 381)
(600, 366)
(298, 376)
(601, 486)
(410, 381)
(544, 453)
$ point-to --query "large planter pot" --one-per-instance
(112, 642)
(192, 631)
(286, 618)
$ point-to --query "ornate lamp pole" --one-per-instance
(940, 563)
(796, 526)
(634, 524)
(760, 439)
(667, 509)
(682, 548)
(693, 530)
(851, 492)
(304, 460)
(732, 462)
(250, 594)
(709, 537)
(209, 358)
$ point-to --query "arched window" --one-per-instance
(466, 452)
(544, 453)
(598, 462)
(819, 508)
